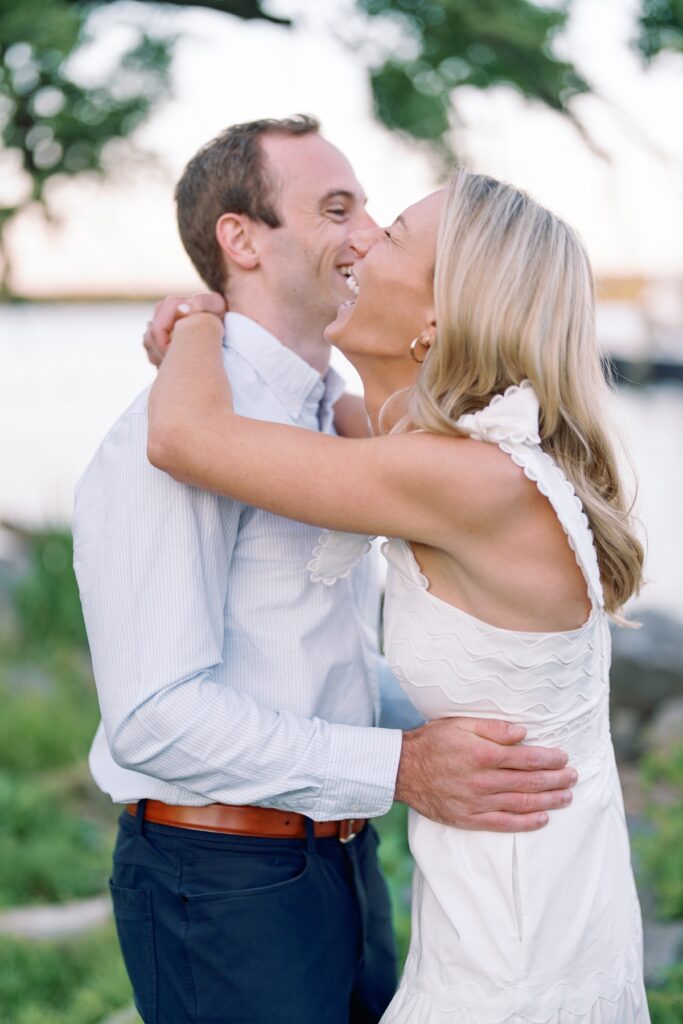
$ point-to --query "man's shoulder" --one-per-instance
(252, 395)
(128, 431)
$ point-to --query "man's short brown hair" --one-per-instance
(228, 175)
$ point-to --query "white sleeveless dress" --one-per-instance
(531, 928)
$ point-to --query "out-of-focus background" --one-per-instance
(101, 105)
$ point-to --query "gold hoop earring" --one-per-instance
(422, 339)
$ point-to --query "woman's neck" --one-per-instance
(382, 378)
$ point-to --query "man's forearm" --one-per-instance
(229, 749)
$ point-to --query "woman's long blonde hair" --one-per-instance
(515, 299)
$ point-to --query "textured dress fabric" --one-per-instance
(528, 928)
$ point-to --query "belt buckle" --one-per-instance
(347, 830)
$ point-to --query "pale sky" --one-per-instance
(121, 237)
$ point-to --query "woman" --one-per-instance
(516, 550)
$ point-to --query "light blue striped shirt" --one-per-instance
(223, 673)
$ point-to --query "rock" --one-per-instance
(647, 664)
(127, 1016)
(665, 729)
(625, 727)
(56, 921)
(663, 942)
(635, 796)
(8, 618)
(29, 679)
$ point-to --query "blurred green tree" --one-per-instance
(661, 27)
(480, 43)
(54, 122)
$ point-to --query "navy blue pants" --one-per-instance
(218, 929)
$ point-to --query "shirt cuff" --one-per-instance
(361, 773)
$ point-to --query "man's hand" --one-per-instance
(474, 773)
(157, 337)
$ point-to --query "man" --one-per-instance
(239, 700)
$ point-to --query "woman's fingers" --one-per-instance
(168, 311)
(205, 302)
(157, 337)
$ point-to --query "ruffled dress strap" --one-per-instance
(511, 420)
(337, 555)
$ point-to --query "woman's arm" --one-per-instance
(419, 486)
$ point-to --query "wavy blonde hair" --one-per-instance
(515, 299)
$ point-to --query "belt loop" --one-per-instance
(140, 817)
(310, 835)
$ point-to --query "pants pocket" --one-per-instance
(242, 873)
(135, 927)
(263, 942)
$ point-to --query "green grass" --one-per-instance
(56, 830)
(666, 1002)
(80, 981)
(49, 710)
(50, 850)
(661, 851)
(46, 599)
(398, 867)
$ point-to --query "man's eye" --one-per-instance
(337, 211)
(388, 234)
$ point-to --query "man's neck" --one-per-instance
(305, 339)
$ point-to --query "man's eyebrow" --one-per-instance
(342, 193)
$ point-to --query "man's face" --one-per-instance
(319, 202)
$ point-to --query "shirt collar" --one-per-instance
(297, 385)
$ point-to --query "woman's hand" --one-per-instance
(157, 337)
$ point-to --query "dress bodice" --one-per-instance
(451, 663)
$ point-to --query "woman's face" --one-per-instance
(393, 284)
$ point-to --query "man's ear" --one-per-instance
(235, 235)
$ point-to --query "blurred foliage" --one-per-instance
(49, 711)
(397, 863)
(666, 1001)
(661, 850)
(53, 122)
(80, 981)
(49, 851)
(58, 124)
(56, 828)
(661, 27)
(467, 42)
(47, 604)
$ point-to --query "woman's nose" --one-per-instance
(361, 242)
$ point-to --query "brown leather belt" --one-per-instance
(264, 822)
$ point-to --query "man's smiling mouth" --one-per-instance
(352, 283)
